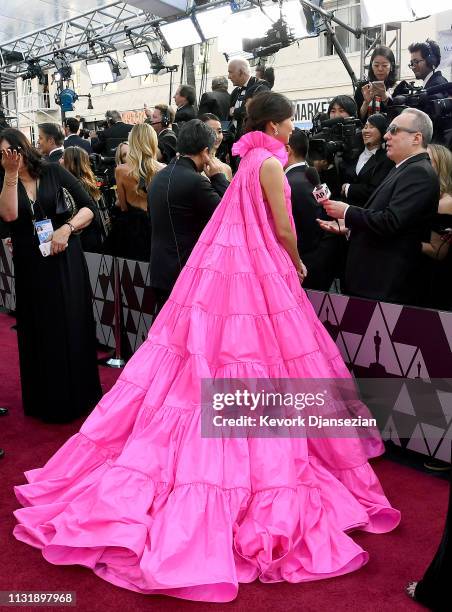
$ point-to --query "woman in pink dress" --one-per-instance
(147, 503)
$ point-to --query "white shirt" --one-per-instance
(56, 149)
(430, 74)
(364, 158)
(294, 166)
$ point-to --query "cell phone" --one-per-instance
(379, 85)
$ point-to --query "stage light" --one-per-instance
(180, 33)
(139, 63)
(387, 11)
(249, 24)
(101, 71)
(212, 22)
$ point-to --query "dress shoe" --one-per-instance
(3, 411)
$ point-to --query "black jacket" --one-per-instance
(305, 211)
(384, 255)
(110, 138)
(74, 140)
(185, 113)
(217, 102)
(373, 172)
(181, 202)
(167, 143)
(54, 156)
(253, 87)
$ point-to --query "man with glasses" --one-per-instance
(425, 58)
(384, 257)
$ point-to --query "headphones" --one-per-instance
(432, 58)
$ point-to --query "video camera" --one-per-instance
(104, 171)
(341, 135)
(433, 101)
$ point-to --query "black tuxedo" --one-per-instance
(217, 102)
(253, 87)
(185, 113)
(372, 174)
(384, 256)
(181, 202)
(305, 211)
(110, 138)
(55, 156)
(436, 79)
(74, 140)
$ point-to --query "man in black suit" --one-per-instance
(50, 141)
(72, 126)
(161, 119)
(425, 58)
(185, 98)
(218, 101)
(305, 209)
(246, 86)
(181, 202)
(107, 140)
(384, 257)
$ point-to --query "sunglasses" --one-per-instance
(395, 129)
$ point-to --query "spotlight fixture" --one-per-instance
(181, 33)
(103, 70)
(64, 69)
(139, 63)
(34, 70)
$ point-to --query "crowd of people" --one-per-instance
(230, 234)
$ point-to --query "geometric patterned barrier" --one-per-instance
(377, 340)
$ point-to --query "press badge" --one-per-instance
(44, 232)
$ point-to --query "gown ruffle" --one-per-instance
(148, 504)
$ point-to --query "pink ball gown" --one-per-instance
(148, 504)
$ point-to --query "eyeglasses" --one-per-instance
(395, 129)
(415, 62)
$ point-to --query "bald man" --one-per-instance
(246, 86)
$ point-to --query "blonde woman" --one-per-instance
(121, 153)
(132, 181)
(438, 249)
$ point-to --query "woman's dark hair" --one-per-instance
(345, 102)
(31, 157)
(208, 117)
(267, 106)
(194, 136)
(389, 55)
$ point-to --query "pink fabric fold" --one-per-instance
(140, 498)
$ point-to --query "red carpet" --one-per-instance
(395, 558)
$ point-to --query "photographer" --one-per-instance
(218, 101)
(372, 96)
(108, 139)
(185, 98)
(425, 58)
(162, 119)
(372, 166)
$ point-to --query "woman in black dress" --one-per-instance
(55, 323)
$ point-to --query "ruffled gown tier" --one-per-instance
(147, 503)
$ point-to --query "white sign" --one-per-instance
(305, 110)
(445, 45)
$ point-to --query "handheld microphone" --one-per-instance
(321, 191)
